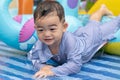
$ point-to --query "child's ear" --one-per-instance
(65, 25)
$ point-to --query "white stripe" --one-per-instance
(69, 78)
(7, 60)
(11, 77)
(106, 62)
(2, 43)
(112, 57)
(97, 76)
(11, 54)
(5, 47)
(26, 75)
(100, 68)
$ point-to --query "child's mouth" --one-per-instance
(48, 40)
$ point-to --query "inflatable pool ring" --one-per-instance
(19, 32)
(18, 35)
(70, 7)
(71, 13)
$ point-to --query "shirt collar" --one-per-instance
(45, 55)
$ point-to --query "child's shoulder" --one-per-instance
(69, 41)
(38, 45)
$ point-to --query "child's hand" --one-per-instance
(46, 67)
(44, 72)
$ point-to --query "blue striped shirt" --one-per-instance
(75, 48)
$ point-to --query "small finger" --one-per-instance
(44, 76)
(41, 76)
(37, 74)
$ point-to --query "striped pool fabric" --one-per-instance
(15, 66)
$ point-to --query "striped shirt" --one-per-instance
(75, 48)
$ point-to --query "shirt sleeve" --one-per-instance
(73, 65)
(33, 56)
(35, 61)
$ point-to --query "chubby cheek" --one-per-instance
(40, 37)
(59, 35)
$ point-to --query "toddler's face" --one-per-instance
(50, 29)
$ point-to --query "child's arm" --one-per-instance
(43, 70)
(33, 56)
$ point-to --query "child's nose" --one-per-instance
(47, 33)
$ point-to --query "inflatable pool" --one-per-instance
(18, 32)
(15, 66)
(14, 45)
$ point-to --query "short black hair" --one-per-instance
(46, 7)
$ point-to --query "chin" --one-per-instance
(49, 43)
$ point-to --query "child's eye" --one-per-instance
(52, 29)
(40, 30)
